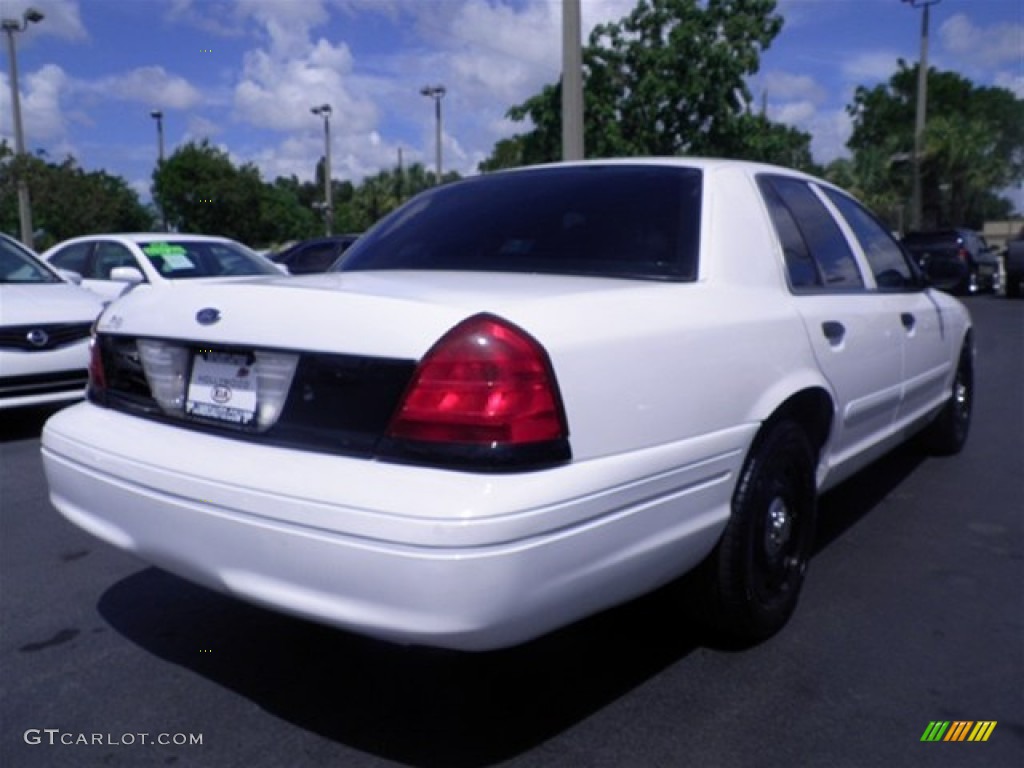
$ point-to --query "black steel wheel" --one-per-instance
(947, 434)
(759, 565)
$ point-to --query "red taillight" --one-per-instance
(964, 255)
(486, 382)
(97, 377)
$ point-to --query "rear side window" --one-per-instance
(612, 221)
(818, 258)
(72, 257)
(110, 256)
(890, 267)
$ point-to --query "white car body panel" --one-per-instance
(27, 305)
(665, 387)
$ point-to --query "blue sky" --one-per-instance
(245, 73)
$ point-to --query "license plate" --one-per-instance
(222, 387)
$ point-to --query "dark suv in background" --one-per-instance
(315, 255)
(956, 260)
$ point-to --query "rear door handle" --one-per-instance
(908, 320)
(834, 331)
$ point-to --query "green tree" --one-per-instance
(667, 79)
(200, 190)
(973, 144)
(68, 201)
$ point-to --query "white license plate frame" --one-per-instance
(223, 387)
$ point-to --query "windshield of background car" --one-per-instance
(610, 221)
(182, 259)
(17, 266)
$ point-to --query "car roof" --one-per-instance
(147, 237)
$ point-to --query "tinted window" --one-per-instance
(109, 256)
(889, 265)
(18, 266)
(180, 259)
(801, 269)
(616, 221)
(836, 265)
(316, 257)
(73, 257)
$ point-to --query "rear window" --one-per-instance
(925, 240)
(613, 221)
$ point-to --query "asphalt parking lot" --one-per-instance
(913, 613)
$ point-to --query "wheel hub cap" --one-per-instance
(779, 527)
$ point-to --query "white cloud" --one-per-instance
(278, 93)
(870, 67)
(61, 18)
(785, 86)
(153, 86)
(988, 46)
(41, 109)
(1011, 81)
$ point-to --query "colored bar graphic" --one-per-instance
(982, 730)
(958, 730)
(935, 730)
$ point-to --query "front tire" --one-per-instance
(758, 567)
(947, 434)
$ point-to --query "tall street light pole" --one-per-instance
(10, 26)
(916, 206)
(324, 110)
(157, 115)
(572, 82)
(436, 92)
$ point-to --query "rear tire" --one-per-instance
(758, 567)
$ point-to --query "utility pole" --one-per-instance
(916, 203)
(325, 111)
(572, 82)
(10, 26)
(436, 92)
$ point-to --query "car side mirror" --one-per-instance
(129, 275)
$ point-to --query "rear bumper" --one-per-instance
(408, 554)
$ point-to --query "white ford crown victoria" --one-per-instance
(523, 398)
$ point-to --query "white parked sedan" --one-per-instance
(44, 331)
(111, 264)
(522, 398)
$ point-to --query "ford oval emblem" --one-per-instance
(207, 316)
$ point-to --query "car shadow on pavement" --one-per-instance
(841, 508)
(428, 707)
(418, 706)
(25, 423)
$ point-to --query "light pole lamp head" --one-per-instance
(433, 91)
(30, 16)
(156, 114)
(323, 109)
